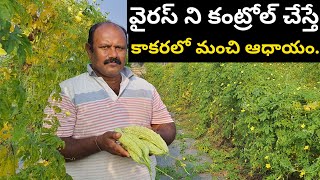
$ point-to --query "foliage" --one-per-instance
(265, 116)
(41, 44)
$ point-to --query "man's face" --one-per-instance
(109, 42)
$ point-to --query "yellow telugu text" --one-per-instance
(163, 48)
(232, 48)
(292, 48)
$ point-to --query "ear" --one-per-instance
(89, 50)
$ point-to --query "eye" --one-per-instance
(120, 48)
(105, 47)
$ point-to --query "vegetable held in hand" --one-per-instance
(140, 142)
(148, 135)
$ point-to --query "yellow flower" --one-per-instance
(306, 108)
(184, 158)
(5, 131)
(69, 9)
(45, 163)
(302, 173)
(68, 113)
(78, 18)
(12, 27)
(306, 147)
(268, 166)
(2, 51)
(252, 128)
(80, 14)
(7, 127)
(303, 126)
(242, 110)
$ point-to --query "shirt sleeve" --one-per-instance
(160, 114)
(65, 112)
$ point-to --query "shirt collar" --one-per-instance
(125, 71)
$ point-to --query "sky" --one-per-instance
(117, 10)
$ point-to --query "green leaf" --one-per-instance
(6, 10)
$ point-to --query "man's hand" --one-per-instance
(167, 131)
(79, 148)
(108, 142)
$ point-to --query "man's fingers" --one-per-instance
(113, 145)
(121, 151)
(113, 135)
(116, 135)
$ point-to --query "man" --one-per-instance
(104, 98)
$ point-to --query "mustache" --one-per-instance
(112, 60)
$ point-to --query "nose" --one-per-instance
(112, 52)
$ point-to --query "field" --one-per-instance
(255, 120)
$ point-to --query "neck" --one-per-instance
(109, 79)
(113, 82)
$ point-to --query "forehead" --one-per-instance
(109, 32)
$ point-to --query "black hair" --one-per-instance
(95, 26)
